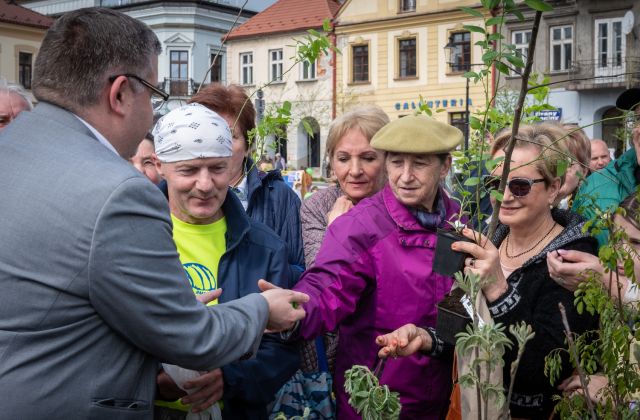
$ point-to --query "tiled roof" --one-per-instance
(12, 13)
(287, 16)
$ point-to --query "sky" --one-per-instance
(259, 5)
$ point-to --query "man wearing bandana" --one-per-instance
(220, 247)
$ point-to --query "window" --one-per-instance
(458, 120)
(216, 68)
(407, 5)
(179, 64)
(308, 71)
(610, 47)
(520, 40)
(561, 47)
(407, 54)
(24, 69)
(460, 43)
(246, 68)
(360, 63)
(276, 65)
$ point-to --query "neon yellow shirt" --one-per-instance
(200, 248)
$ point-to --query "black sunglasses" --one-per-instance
(519, 187)
(156, 102)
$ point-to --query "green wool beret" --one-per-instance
(417, 134)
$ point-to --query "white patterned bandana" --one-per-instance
(190, 132)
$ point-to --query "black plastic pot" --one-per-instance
(447, 261)
(452, 317)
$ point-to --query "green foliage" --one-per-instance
(276, 118)
(612, 349)
(314, 44)
(371, 400)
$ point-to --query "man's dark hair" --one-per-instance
(83, 49)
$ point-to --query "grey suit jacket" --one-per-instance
(92, 294)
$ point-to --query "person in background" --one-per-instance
(221, 247)
(93, 292)
(145, 159)
(373, 272)
(307, 181)
(13, 100)
(600, 155)
(605, 189)
(265, 196)
(517, 283)
(357, 168)
(280, 164)
(577, 145)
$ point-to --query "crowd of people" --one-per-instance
(154, 270)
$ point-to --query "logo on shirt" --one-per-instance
(200, 277)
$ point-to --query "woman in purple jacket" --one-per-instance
(373, 271)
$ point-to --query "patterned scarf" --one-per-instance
(431, 220)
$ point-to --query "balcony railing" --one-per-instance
(595, 74)
(179, 87)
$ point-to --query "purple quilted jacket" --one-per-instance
(371, 276)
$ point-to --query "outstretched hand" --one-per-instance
(404, 341)
(284, 306)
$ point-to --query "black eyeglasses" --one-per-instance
(158, 96)
(519, 187)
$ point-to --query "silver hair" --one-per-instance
(17, 90)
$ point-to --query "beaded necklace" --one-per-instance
(506, 248)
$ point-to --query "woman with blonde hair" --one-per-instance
(357, 168)
(517, 284)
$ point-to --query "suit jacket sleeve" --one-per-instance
(137, 284)
(257, 380)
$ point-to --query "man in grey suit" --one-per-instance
(93, 294)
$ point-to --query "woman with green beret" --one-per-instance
(373, 272)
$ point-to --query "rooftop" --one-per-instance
(287, 16)
(12, 13)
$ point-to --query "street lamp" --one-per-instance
(450, 49)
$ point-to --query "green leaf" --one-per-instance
(496, 20)
(307, 127)
(472, 12)
(495, 36)
(538, 5)
(502, 68)
(472, 182)
(489, 56)
(562, 167)
(474, 28)
(475, 123)
(515, 59)
(497, 195)
(517, 13)
(326, 25)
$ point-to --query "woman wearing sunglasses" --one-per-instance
(513, 264)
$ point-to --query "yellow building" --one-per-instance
(21, 33)
(393, 52)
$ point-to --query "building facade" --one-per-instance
(21, 33)
(191, 33)
(261, 55)
(590, 51)
(393, 53)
